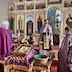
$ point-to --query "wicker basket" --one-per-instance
(39, 58)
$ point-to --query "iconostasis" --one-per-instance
(67, 3)
(45, 9)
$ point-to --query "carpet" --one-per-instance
(54, 66)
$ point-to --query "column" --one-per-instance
(34, 17)
(24, 24)
(25, 4)
(34, 4)
(62, 30)
(46, 2)
(25, 28)
(34, 24)
(15, 23)
(46, 15)
(15, 19)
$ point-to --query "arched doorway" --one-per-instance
(54, 16)
(29, 27)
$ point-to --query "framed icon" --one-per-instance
(54, 1)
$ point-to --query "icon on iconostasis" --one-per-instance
(20, 0)
(20, 7)
(30, 6)
(20, 23)
(67, 3)
(29, 0)
(40, 5)
(11, 21)
(39, 23)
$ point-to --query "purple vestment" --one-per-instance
(63, 54)
(69, 60)
(50, 31)
(5, 43)
(69, 22)
(48, 26)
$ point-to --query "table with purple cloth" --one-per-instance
(23, 62)
(26, 61)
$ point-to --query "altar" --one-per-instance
(22, 59)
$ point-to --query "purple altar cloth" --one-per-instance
(26, 61)
(23, 61)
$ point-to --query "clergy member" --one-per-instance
(5, 40)
(43, 30)
(69, 21)
(63, 52)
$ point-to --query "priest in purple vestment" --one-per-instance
(69, 21)
(5, 40)
(43, 30)
(63, 52)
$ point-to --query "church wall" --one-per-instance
(3, 10)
